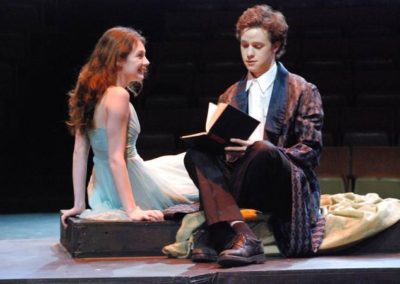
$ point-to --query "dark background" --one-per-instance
(348, 48)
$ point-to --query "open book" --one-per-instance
(223, 122)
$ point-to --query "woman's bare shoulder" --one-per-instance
(116, 92)
(115, 96)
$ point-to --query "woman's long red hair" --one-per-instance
(99, 73)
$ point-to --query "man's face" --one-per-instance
(258, 53)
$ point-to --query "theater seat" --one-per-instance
(368, 125)
(321, 73)
(184, 121)
(174, 51)
(165, 86)
(331, 185)
(221, 22)
(332, 117)
(211, 51)
(384, 187)
(380, 99)
(382, 80)
(214, 84)
(366, 139)
(334, 170)
(324, 49)
(376, 169)
(328, 139)
(155, 144)
(162, 101)
(14, 48)
(195, 27)
(372, 47)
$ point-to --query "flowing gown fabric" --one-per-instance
(156, 184)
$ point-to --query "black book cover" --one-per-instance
(225, 123)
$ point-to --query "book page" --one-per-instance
(194, 135)
(214, 111)
(211, 109)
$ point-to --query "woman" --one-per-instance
(102, 117)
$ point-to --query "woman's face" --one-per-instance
(134, 68)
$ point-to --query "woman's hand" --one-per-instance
(138, 214)
(70, 212)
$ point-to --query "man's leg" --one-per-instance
(211, 175)
(261, 180)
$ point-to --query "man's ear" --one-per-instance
(276, 46)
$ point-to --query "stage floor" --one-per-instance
(30, 253)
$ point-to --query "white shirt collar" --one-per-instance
(265, 80)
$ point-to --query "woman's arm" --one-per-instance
(117, 116)
(79, 171)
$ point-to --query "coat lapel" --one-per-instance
(240, 101)
(277, 106)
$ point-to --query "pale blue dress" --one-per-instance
(156, 184)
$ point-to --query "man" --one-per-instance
(273, 170)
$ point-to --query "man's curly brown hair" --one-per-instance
(263, 16)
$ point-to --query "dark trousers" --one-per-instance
(260, 179)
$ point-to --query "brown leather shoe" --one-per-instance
(244, 251)
(202, 250)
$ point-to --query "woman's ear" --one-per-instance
(120, 63)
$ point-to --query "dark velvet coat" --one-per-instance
(293, 124)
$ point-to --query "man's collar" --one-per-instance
(265, 80)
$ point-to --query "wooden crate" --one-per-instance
(84, 238)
